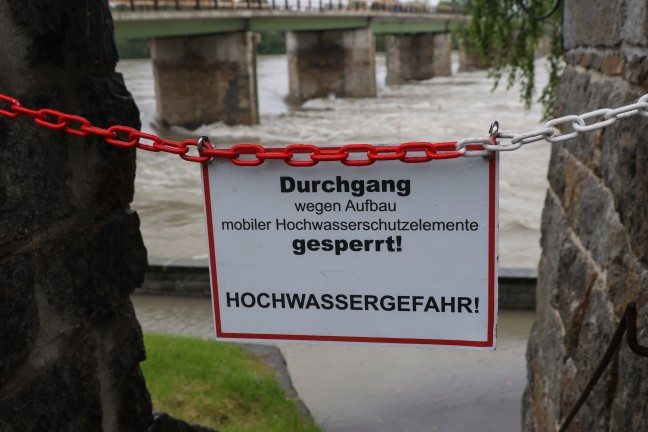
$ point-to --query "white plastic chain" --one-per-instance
(549, 131)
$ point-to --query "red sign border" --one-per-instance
(492, 281)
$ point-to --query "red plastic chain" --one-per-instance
(297, 155)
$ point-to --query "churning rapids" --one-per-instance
(168, 191)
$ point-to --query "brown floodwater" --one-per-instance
(168, 191)
(385, 388)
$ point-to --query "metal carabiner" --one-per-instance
(200, 146)
(494, 129)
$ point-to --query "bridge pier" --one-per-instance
(206, 79)
(417, 56)
(340, 62)
(471, 60)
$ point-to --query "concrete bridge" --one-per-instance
(204, 51)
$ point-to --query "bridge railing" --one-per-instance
(388, 6)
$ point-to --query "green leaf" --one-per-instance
(507, 34)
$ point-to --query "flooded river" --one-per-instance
(168, 194)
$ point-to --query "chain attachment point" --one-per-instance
(203, 142)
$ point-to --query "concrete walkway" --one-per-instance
(376, 388)
(382, 388)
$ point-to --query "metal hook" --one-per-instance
(493, 132)
(201, 144)
(631, 328)
(628, 323)
(552, 11)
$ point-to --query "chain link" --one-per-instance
(550, 132)
(305, 155)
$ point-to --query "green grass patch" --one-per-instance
(217, 384)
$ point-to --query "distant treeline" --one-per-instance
(133, 49)
(271, 42)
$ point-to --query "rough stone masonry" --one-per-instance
(594, 230)
(70, 247)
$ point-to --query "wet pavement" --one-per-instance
(385, 388)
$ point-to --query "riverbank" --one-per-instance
(221, 385)
(384, 388)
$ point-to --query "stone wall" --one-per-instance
(594, 230)
(70, 248)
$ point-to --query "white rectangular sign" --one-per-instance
(391, 253)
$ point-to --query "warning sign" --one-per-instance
(390, 253)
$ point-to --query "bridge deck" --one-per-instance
(295, 16)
